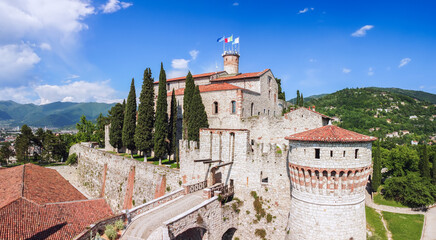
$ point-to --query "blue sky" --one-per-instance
(79, 50)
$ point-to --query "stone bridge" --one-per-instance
(198, 214)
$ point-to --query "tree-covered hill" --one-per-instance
(57, 114)
(365, 110)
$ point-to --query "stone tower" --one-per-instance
(231, 62)
(328, 168)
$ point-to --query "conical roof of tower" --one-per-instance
(330, 133)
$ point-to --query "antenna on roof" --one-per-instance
(216, 66)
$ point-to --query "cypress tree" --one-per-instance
(130, 120)
(198, 116)
(116, 130)
(161, 124)
(376, 174)
(187, 97)
(301, 100)
(424, 168)
(298, 98)
(144, 128)
(172, 125)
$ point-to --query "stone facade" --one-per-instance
(128, 182)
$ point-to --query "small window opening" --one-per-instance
(252, 142)
(317, 153)
(343, 154)
(304, 151)
(215, 108)
(356, 153)
(331, 153)
(233, 106)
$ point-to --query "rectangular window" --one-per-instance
(344, 154)
(331, 153)
(233, 107)
(356, 153)
(317, 153)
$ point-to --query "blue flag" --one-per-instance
(220, 39)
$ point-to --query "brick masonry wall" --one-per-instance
(147, 177)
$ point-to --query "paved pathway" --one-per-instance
(142, 227)
(430, 225)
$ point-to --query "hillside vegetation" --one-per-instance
(377, 112)
(58, 114)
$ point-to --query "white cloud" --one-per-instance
(15, 60)
(79, 91)
(362, 31)
(194, 53)
(179, 63)
(177, 73)
(370, 71)
(235, 4)
(305, 10)
(346, 70)
(114, 5)
(73, 76)
(45, 46)
(404, 62)
(19, 94)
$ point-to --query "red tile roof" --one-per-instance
(24, 219)
(194, 76)
(38, 203)
(330, 133)
(242, 76)
(39, 184)
(208, 88)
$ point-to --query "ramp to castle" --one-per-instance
(144, 225)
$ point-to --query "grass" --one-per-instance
(404, 226)
(375, 224)
(380, 200)
(152, 160)
(42, 164)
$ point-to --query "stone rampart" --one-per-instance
(123, 182)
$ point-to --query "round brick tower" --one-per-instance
(231, 62)
(329, 168)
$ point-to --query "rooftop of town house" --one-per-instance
(208, 88)
(202, 75)
(241, 76)
(330, 133)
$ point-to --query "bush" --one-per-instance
(110, 232)
(410, 190)
(119, 225)
(72, 159)
(269, 218)
(260, 233)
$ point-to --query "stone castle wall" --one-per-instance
(125, 182)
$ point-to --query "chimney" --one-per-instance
(231, 62)
(313, 107)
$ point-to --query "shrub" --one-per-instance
(72, 159)
(119, 225)
(110, 232)
(258, 207)
(260, 233)
(254, 194)
(268, 218)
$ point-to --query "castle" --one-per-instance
(307, 176)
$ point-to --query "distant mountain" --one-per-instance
(389, 110)
(306, 99)
(57, 114)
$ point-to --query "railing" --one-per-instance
(195, 187)
(136, 211)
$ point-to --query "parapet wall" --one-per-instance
(123, 182)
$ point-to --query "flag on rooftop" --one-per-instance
(220, 39)
(236, 40)
(229, 39)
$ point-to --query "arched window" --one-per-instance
(215, 108)
(252, 109)
(269, 94)
(233, 107)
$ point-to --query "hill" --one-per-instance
(379, 112)
(420, 95)
(293, 100)
(57, 114)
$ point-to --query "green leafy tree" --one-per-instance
(198, 116)
(424, 167)
(279, 90)
(172, 125)
(187, 98)
(5, 153)
(116, 116)
(161, 125)
(85, 130)
(402, 159)
(434, 168)
(130, 120)
(22, 143)
(144, 128)
(376, 176)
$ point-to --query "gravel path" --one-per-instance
(70, 174)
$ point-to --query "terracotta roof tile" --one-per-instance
(330, 133)
(194, 76)
(208, 88)
(242, 76)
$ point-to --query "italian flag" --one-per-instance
(229, 39)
